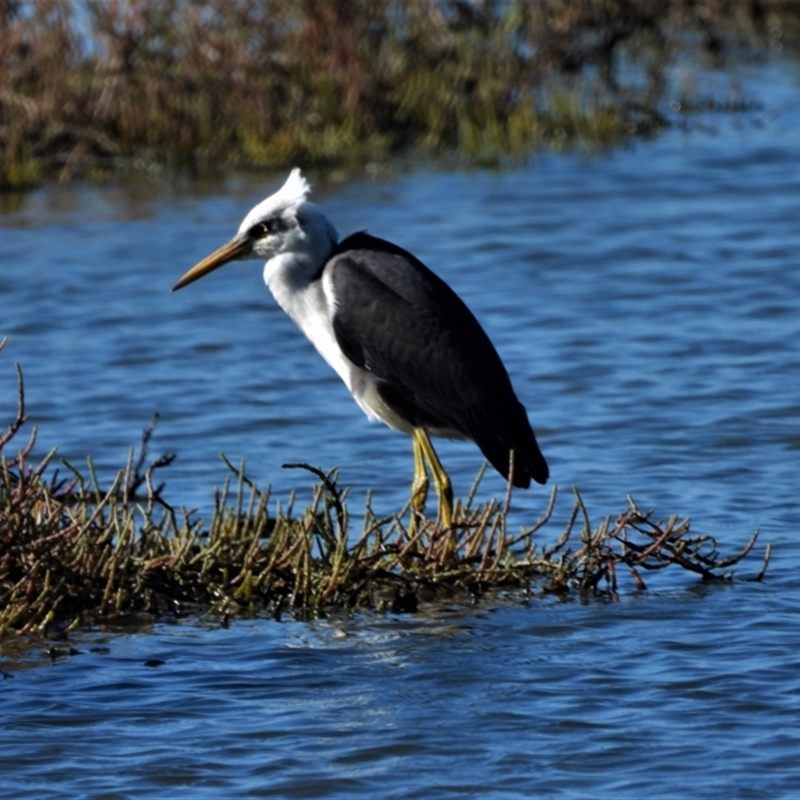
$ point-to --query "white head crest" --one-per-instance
(288, 198)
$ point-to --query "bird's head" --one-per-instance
(284, 223)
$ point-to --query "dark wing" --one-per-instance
(436, 365)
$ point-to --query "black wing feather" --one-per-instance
(436, 365)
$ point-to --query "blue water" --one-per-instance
(646, 302)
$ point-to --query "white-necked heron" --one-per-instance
(408, 349)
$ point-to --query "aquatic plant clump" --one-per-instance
(74, 553)
(87, 87)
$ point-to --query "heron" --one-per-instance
(406, 346)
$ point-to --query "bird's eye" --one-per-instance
(262, 229)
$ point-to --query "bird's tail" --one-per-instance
(513, 432)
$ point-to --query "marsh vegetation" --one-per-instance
(90, 87)
(74, 552)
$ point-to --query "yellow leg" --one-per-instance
(419, 488)
(441, 479)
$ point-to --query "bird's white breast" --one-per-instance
(311, 307)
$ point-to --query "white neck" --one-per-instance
(289, 278)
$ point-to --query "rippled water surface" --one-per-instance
(647, 304)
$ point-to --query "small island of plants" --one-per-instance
(75, 553)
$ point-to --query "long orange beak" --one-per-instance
(235, 248)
